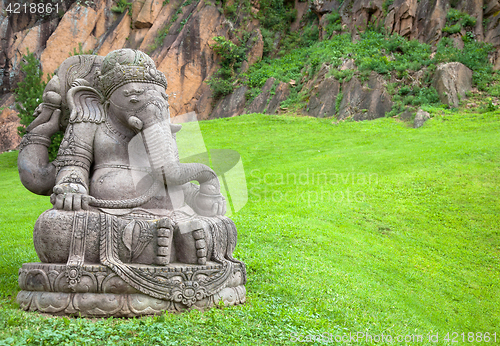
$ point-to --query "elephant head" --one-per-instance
(133, 97)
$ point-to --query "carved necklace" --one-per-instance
(114, 133)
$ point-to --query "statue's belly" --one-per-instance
(119, 183)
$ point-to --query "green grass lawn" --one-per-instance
(369, 227)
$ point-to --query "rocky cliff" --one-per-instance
(179, 36)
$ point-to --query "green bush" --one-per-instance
(452, 29)
(232, 56)
(334, 23)
(122, 6)
(457, 20)
(283, 69)
(455, 16)
(220, 87)
(276, 15)
(28, 96)
(342, 75)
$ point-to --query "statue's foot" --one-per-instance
(190, 243)
(164, 229)
(201, 245)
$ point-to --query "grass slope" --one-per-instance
(367, 227)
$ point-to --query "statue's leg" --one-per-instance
(58, 234)
(55, 232)
(193, 242)
(206, 238)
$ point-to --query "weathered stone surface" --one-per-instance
(256, 43)
(311, 83)
(9, 122)
(117, 37)
(74, 28)
(145, 13)
(231, 105)
(430, 20)
(105, 18)
(321, 7)
(323, 99)
(14, 45)
(407, 115)
(361, 102)
(187, 57)
(452, 81)
(202, 102)
(491, 7)
(135, 38)
(281, 94)
(492, 34)
(259, 103)
(131, 236)
(302, 7)
(401, 16)
(363, 12)
(420, 118)
(348, 65)
(44, 288)
(163, 19)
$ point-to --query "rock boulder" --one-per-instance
(364, 102)
(9, 122)
(452, 81)
(281, 94)
(75, 28)
(401, 17)
(231, 105)
(420, 118)
(145, 13)
(323, 99)
(259, 103)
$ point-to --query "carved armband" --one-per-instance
(74, 152)
(34, 138)
(73, 178)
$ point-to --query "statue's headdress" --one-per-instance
(125, 66)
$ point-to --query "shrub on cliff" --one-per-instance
(29, 92)
(28, 96)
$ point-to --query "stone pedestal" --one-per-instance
(98, 292)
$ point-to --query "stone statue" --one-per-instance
(129, 233)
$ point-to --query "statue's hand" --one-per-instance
(209, 205)
(70, 196)
(46, 122)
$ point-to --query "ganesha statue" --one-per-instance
(132, 230)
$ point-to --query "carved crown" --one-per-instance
(125, 66)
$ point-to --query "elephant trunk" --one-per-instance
(162, 152)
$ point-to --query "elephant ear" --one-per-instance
(85, 105)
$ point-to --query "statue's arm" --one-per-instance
(35, 171)
(74, 160)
